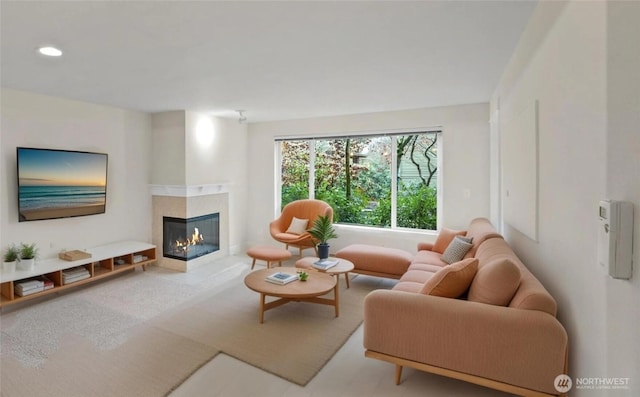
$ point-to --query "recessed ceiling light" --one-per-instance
(50, 51)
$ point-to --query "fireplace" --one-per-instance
(186, 239)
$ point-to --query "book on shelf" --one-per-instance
(139, 258)
(325, 264)
(75, 274)
(48, 284)
(281, 278)
(26, 285)
(73, 279)
(75, 270)
(32, 285)
(21, 292)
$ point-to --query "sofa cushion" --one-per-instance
(495, 282)
(457, 249)
(298, 226)
(425, 267)
(453, 280)
(444, 238)
(373, 259)
(429, 258)
(417, 276)
(481, 230)
(408, 286)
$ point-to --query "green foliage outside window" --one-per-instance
(417, 207)
(293, 192)
(353, 175)
(344, 210)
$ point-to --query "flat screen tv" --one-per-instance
(60, 183)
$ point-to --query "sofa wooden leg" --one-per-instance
(253, 263)
(398, 373)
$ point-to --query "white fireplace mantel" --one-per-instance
(189, 190)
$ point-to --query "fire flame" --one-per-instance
(196, 238)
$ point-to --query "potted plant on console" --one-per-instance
(28, 253)
(11, 256)
(322, 231)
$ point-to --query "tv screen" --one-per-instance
(60, 183)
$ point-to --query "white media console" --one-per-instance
(105, 261)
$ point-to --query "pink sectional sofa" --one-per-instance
(485, 319)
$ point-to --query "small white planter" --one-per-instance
(9, 267)
(27, 264)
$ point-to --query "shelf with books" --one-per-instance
(63, 274)
(75, 274)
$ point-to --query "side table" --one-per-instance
(343, 267)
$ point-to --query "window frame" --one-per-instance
(391, 133)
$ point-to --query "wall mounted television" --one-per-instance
(60, 183)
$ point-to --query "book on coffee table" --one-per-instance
(281, 278)
(325, 264)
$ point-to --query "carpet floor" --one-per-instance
(144, 334)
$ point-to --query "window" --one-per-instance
(388, 180)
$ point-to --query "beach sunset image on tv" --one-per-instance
(60, 183)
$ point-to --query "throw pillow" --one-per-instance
(298, 226)
(456, 250)
(444, 239)
(495, 283)
(453, 280)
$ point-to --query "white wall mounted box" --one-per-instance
(615, 237)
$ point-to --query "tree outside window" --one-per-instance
(294, 171)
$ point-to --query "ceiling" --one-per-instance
(276, 60)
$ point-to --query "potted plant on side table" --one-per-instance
(10, 257)
(322, 231)
(28, 253)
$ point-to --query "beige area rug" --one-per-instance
(109, 341)
(295, 341)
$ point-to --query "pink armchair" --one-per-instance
(301, 209)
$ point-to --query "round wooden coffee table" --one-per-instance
(317, 284)
(343, 267)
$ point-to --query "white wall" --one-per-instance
(465, 166)
(623, 183)
(40, 121)
(562, 61)
(216, 152)
(167, 163)
(193, 148)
